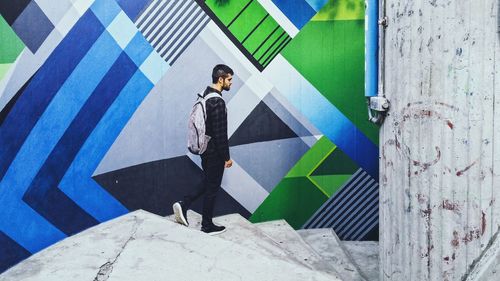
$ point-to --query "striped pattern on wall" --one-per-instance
(251, 28)
(353, 211)
(171, 25)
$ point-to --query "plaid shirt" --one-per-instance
(216, 127)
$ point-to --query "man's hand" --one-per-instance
(228, 163)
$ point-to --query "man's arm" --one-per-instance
(219, 125)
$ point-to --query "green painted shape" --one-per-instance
(337, 163)
(273, 51)
(10, 45)
(330, 55)
(3, 69)
(247, 21)
(293, 199)
(226, 12)
(262, 53)
(331, 183)
(260, 34)
(311, 159)
(341, 10)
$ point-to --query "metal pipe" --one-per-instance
(374, 92)
(371, 48)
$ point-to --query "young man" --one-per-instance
(216, 157)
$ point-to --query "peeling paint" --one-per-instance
(451, 206)
(483, 223)
(456, 239)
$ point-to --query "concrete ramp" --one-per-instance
(281, 232)
(326, 243)
(142, 246)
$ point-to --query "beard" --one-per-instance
(226, 87)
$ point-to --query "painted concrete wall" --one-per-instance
(95, 94)
(439, 171)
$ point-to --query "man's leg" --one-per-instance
(180, 208)
(192, 197)
(213, 169)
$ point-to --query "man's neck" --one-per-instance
(217, 87)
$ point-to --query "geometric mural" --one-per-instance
(356, 206)
(95, 97)
(10, 46)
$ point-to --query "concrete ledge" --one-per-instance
(244, 233)
(326, 243)
(281, 232)
(366, 257)
(142, 246)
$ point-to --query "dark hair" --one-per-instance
(221, 70)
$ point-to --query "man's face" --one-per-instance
(227, 82)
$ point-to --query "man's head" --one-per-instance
(222, 76)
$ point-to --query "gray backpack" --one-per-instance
(197, 140)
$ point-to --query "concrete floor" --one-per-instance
(142, 246)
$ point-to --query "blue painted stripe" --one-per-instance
(44, 195)
(360, 209)
(354, 200)
(10, 252)
(355, 213)
(138, 49)
(17, 220)
(60, 112)
(344, 203)
(324, 115)
(27, 227)
(77, 183)
(44, 86)
(106, 11)
(133, 7)
(46, 133)
(317, 4)
(372, 214)
(325, 215)
(369, 213)
(299, 12)
(371, 225)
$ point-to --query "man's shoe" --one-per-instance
(213, 229)
(180, 213)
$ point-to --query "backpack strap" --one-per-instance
(212, 95)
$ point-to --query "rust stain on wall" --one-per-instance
(461, 172)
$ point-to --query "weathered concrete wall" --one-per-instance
(439, 174)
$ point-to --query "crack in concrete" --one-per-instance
(471, 272)
(106, 269)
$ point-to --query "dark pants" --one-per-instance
(213, 170)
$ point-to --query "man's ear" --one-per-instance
(221, 80)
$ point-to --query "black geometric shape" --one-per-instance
(372, 235)
(284, 114)
(337, 163)
(262, 124)
(156, 185)
(10, 10)
(10, 252)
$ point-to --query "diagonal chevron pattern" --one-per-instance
(95, 97)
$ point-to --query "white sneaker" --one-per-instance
(180, 214)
